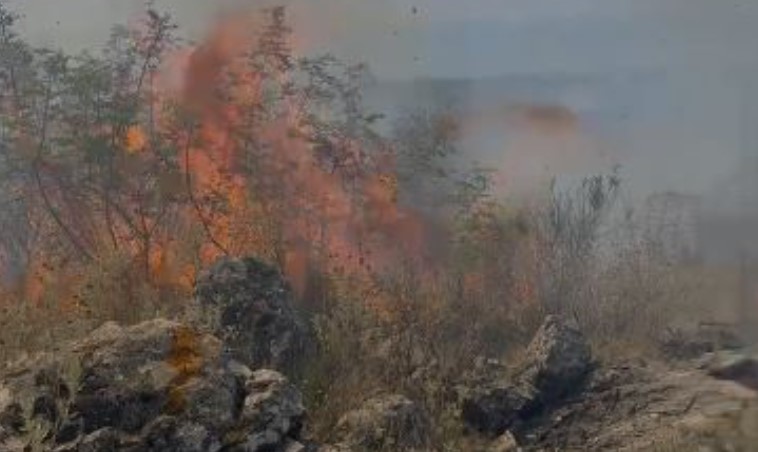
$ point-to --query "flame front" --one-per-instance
(227, 147)
(260, 162)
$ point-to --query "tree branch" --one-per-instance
(188, 180)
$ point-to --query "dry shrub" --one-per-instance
(414, 329)
(635, 295)
(113, 289)
(487, 297)
(734, 431)
(599, 264)
(412, 333)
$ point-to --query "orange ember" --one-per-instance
(135, 140)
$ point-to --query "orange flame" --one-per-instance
(135, 140)
(357, 229)
(253, 178)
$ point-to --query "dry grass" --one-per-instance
(433, 330)
(737, 431)
(109, 290)
(416, 332)
(419, 345)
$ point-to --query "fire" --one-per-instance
(135, 140)
(320, 215)
(227, 159)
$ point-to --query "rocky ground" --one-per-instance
(219, 383)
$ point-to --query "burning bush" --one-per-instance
(125, 173)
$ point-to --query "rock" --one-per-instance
(130, 377)
(273, 409)
(557, 362)
(172, 434)
(741, 367)
(294, 446)
(505, 443)
(635, 408)
(156, 386)
(329, 448)
(248, 304)
(100, 440)
(691, 342)
(494, 408)
(12, 444)
(11, 414)
(384, 423)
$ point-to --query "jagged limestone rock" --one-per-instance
(248, 305)
(390, 422)
(156, 386)
(557, 363)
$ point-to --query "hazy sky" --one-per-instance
(683, 131)
(453, 37)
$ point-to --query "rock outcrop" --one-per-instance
(641, 406)
(248, 305)
(557, 363)
(558, 400)
(384, 423)
(692, 342)
(505, 443)
(171, 387)
(156, 386)
(736, 365)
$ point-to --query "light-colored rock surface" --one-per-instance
(156, 386)
(556, 364)
(652, 407)
(384, 423)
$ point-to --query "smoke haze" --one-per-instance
(665, 89)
